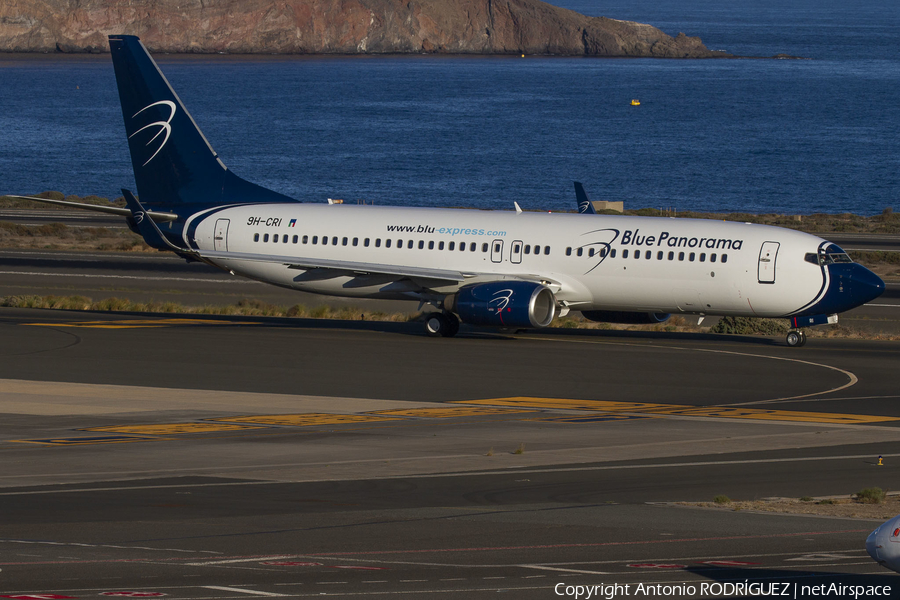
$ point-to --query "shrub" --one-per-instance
(722, 499)
(872, 495)
(750, 326)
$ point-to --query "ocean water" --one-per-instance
(784, 136)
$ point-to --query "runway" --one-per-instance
(232, 457)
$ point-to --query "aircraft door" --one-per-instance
(221, 235)
(515, 252)
(767, 256)
(497, 251)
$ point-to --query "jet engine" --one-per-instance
(625, 317)
(505, 304)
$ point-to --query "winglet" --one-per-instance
(584, 205)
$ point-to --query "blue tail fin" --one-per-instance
(175, 168)
(584, 205)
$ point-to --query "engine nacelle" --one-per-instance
(505, 304)
(625, 317)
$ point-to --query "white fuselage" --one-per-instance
(625, 263)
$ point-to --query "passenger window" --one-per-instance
(712, 257)
(659, 255)
(255, 237)
(266, 237)
(681, 256)
(590, 252)
(527, 249)
(378, 242)
(612, 253)
(324, 240)
(315, 239)
(603, 252)
(431, 245)
(671, 255)
(409, 244)
(517, 248)
(637, 253)
(305, 239)
(296, 239)
(537, 249)
(691, 257)
(546, 250)
(703, 257)
(284, 239)
(421, 244)
(334, 241)
(472, 247)
(387, 243)
(569, 251)
(580, 251)
(484, 247)
(440, 245)
(452, 246)
(724, 258)
(344, 242)
(497, 247)
(625, 253)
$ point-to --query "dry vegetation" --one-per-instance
(858, 506)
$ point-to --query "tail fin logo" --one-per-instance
(583, 206)
(164, 126)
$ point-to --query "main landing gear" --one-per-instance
(795, 338)
(441, 324)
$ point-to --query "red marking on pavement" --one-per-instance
(656, 566)
(727, 563)
(289, 563)
(359, 568)
(39, 597)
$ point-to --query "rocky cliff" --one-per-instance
(332, 27)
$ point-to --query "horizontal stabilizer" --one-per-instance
(158, 217)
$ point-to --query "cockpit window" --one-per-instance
(830, 254)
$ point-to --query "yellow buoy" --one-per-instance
(635, 102)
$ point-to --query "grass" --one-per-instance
(722, 499)
(244, 308)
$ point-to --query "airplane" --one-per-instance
(883, 544)
(509, 269)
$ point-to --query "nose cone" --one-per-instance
(866, 285)
(850, 285)
(872, 545)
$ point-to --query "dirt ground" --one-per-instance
(829, 507)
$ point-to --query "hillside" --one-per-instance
(333, 27)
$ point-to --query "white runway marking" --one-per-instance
(517, 470)
(852, 378)
(222, 588)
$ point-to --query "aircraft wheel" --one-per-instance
(436, 324)
(795, 338)
(453, 323)
(441, 324)
(802, 338)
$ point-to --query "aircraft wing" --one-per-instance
(349, 267)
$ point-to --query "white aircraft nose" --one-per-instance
(883, 544)
(872, 545)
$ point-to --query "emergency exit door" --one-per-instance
(767, 255)
(221, 236)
